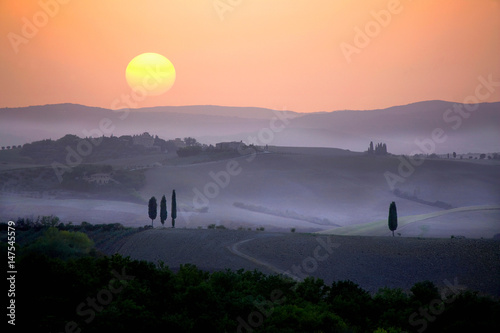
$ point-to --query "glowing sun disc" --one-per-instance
(151, 73)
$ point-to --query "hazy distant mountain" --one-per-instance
(399, 126)
(226, 111)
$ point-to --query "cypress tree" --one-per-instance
(152, 209)
(393, 217)
(173, 214)
(163, 210)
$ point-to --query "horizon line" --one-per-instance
(242, 107)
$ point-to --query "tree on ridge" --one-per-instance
(163, 210)
(152, 209)
(393, 217)
(173, 207)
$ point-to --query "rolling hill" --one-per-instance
(310, 189)
(398, 126)
(339, 189)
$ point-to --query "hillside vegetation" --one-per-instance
(121, 294)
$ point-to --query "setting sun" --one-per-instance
(150, 72)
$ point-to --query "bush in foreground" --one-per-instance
(60, 284)
(149, 297)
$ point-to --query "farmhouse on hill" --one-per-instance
(233, 145)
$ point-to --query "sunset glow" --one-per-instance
(250, 165)
(300, 55)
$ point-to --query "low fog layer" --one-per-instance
(306, 189)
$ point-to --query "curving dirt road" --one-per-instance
(234, 248)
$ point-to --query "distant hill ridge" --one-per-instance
(398, 126)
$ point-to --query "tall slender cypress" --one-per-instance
(393, 217)
(173, 209)
(152, 209)
(163, 210)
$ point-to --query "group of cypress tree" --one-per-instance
(153, 212)
(380, 149)
(153, 209)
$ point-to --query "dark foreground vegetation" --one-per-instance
(65, 285)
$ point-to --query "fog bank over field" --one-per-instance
(335, 187)
(326, 191)
(465, 128)
(310, 189)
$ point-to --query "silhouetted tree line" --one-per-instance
(191, 148)
(11, 147)
(189, 141)
(380, 149)
(413, 197)
(482, 156)
(42, 223)
(100, 148)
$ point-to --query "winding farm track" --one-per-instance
(234, 248)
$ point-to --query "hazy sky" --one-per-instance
(301, 55)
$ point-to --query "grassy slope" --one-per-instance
(380, 228)
(343, 187)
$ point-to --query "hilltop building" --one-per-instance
(233, 145)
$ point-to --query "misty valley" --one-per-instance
(321, 234)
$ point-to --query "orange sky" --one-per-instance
(282, 54)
